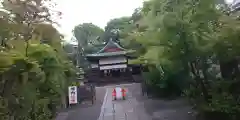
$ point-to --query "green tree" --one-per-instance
(33, 75)
(89, 40)
(88, 34)
(191, 39)
(117, 27)
(27, 14)
(121, 29)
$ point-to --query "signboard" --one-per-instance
(118, 92)
(72, 93)
(112, 60)
(112, 49)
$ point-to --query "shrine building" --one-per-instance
(110, 64)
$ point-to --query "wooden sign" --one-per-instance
(112, 49)
(72, 93)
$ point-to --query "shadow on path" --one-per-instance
(168, 109)
(160, 109)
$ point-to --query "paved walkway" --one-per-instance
(168, 110)
(135, 107)
(129, 109)
(85, 111)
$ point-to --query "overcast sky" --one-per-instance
(98, 12)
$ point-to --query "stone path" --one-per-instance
(62, 116)
(135, 107)
(129, 109)
(168, 110)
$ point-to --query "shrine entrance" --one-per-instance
(113, 72)
(110, 64)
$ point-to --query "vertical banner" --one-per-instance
(72, 94)
(118, 92)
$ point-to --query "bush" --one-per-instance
(165, 85)
(32, 87)
(222, 105)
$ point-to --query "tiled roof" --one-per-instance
(106, 54)
(110, 45)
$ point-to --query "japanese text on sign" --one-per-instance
(72, 93)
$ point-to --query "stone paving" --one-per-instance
(135, 107)
(62, 116)
(122, 109)
(169, 109)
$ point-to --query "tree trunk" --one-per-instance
(26, 49)
(199, 81)
(64, 102)
(204, 71)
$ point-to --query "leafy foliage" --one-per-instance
(196, 43)
(34, 75)
(88, 35)
(89, 39)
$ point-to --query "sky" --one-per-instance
(98, 12)
(229, 1)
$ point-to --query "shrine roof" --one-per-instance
(106, 54)
(110, 49)
(111, 46)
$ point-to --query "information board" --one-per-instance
(72, 93)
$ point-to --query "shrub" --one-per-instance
(32, 87)
(165, 85)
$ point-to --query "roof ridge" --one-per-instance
(111, 42)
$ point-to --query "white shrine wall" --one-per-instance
(107, 67)
(112, 60)
(113, 63)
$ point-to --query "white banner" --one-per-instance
(72, 94)
(118, 92)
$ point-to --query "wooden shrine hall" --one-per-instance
(110, 64)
